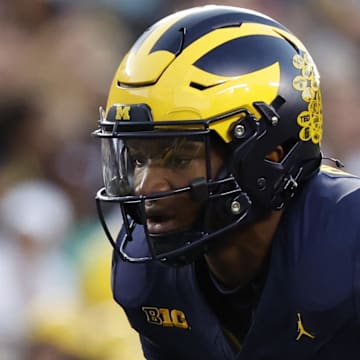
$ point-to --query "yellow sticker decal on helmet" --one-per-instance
(307, 82)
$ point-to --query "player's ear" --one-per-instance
(276, 155)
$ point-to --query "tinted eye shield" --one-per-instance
(124, 157)
(115, 158)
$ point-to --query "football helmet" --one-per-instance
(198, 78)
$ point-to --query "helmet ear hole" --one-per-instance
(288, 145)
(276, 155)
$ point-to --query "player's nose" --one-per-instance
(152, 179)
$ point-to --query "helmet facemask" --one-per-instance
(201, 201)
(202, 204)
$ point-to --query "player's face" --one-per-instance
(162, 165)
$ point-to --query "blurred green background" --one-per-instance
(57, 60)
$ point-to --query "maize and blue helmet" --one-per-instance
(217, 75)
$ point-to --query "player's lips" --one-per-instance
(161, 220)
(161, 225)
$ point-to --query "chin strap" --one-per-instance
(292, 180)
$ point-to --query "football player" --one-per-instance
(236, 243)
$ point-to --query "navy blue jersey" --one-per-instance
(309, 304)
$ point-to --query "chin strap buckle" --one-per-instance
(290, 185)
(287, 189)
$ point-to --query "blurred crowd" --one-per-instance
(56, 63)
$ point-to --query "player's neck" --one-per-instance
(243, 257)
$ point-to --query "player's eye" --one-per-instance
(139, 160)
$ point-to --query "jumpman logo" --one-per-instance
(301, 330)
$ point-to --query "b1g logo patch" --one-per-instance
(308, 84)
(165, 317)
